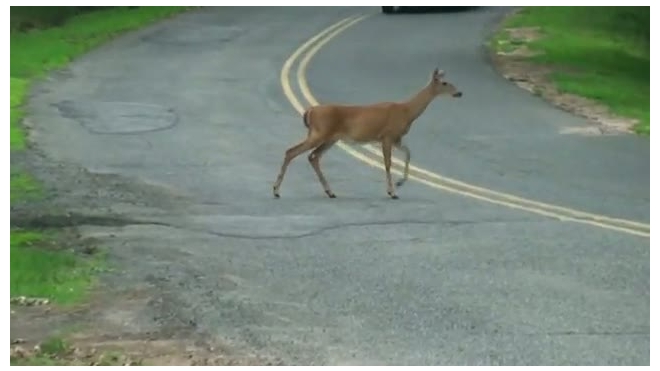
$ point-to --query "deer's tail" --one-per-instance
(306, 117)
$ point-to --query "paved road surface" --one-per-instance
(195, 104)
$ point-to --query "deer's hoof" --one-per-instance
(393, 196)
(400, 183)
(330, 194)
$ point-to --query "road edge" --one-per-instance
(600, 121)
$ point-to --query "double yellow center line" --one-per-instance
(371, 155)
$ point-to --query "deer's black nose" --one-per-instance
(458, 94)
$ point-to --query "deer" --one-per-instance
(384, 122)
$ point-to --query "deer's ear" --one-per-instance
(437, 74)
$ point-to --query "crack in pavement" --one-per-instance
(76, 219)
(450, 223)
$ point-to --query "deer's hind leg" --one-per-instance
(291, 153)
(314, 159)
(387, 159)
(406, 151)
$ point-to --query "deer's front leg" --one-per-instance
(406, 151)
(290, 154)
(387, 158)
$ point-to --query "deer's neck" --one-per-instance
(418, 103)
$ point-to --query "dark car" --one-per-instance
(389, 9)
(394, 9)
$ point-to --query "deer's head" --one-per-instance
(439, 86)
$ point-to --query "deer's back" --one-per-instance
(360, 123)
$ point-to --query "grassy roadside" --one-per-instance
(601, 53)
(42, 268)
(43, 39)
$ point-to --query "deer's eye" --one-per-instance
(444, 83)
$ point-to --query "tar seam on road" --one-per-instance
(429, 178)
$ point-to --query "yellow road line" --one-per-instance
(284, 73)
(437, 180)
(575, 213)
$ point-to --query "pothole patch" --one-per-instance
(118, 117)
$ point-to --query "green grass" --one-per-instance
(23, 186)
(605, 48)
(54, 346)
(18, 91)
(43, 39)
(40, 269)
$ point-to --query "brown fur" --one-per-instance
(386, 123)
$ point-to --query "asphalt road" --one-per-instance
(195, 104)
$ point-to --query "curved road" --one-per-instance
(195, 104)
